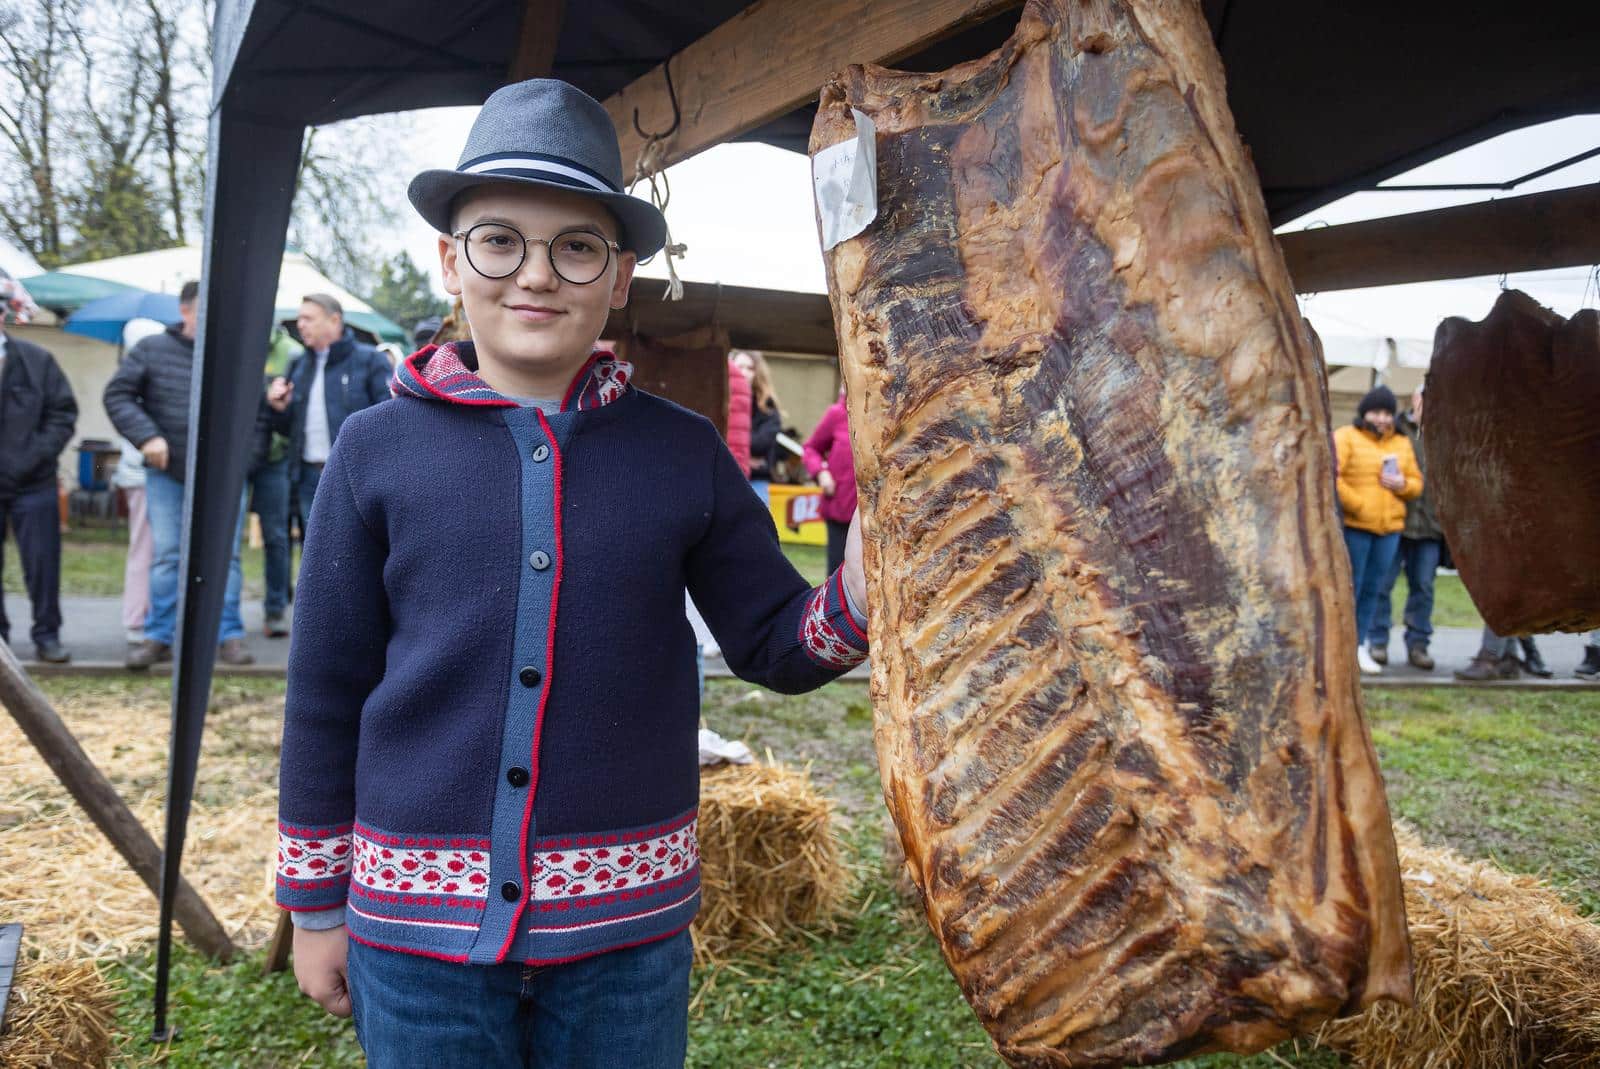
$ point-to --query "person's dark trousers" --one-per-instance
(836, 536)
(1419, 559)
(269, 499)
(305, 490)
(34, 517)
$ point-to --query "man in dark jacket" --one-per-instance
(148, 402)
(337, 375)
(37, 416)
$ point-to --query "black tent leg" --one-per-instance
(249, 188)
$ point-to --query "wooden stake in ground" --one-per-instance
(89, 787)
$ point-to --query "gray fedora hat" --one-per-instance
(543, 132)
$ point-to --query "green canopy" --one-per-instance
(64, 293)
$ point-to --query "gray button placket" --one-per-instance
(528, 680)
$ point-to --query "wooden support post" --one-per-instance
(282, 943)
(771, 58)
(1560, 228)
(30, 708)
(537, 39)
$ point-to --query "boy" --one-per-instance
(489, 767)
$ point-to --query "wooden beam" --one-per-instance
(753, 318)
(90, 788)
(1560, 228)
(537, 38)
(773, 57)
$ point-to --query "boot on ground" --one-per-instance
(1417, 657)
(1590, 668)
(1487, 667)
(1532, 661)
(147, 653)
(233, 652)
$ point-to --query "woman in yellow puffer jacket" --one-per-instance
(1378, 474)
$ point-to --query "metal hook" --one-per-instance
(677, 116)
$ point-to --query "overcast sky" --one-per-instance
(745, 212)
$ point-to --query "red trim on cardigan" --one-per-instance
(620, 946)
(581, 377)
(544, 695)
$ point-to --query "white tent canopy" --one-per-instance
(166, 270)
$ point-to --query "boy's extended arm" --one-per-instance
(341, 626)
(773, 628)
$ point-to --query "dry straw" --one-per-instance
(770, 863)
(76, 897)
(1507, 974)
(59, 1017)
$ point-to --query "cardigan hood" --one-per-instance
(449, 373)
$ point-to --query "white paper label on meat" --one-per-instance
(846, 180)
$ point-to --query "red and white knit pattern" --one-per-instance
(612, 376)
(306, 858)
(822, 639)
(425, 869)
(574, 873)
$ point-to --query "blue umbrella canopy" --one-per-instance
(105, 317)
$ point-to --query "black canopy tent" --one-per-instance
(1331, 96)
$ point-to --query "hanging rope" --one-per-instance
(651, 167)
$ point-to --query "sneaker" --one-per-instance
(1590, 668)
(1417, 657)
(1378, 653)
(52, 652)
(147, 653)
(275, 627)
(1369, 666)
(1486, 667)
(233, 652)
(1531, 661)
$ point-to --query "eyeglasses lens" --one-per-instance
(497, 251)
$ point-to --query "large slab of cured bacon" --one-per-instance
(1113, 651)
(1512, 428)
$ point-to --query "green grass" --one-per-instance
(1510, 775)
(809, 561)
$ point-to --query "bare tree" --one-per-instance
(37, 51)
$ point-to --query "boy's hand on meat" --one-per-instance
(320, 968)
(855, 578)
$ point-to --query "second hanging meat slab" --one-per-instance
(1117, 711)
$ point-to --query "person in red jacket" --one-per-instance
(739, 417)
(827, 457)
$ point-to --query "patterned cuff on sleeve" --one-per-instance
(313, 866)
(832, 635)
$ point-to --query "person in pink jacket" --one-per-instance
(827, 458)
(738, 437)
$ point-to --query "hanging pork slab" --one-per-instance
(1113, 650)
(1512, 428)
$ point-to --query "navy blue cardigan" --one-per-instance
(489, 747)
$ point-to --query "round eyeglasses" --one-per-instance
(496, 250)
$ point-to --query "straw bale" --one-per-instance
(59, 1016)
(74, 894)
(1506, 974)
(770, 863)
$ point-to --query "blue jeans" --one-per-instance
(1370, 557)
(1420, 560)
(627, 1007)
(164, 500)
(269, 499)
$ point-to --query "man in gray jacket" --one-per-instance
(148, 402)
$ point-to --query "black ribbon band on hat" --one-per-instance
(543, 167)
